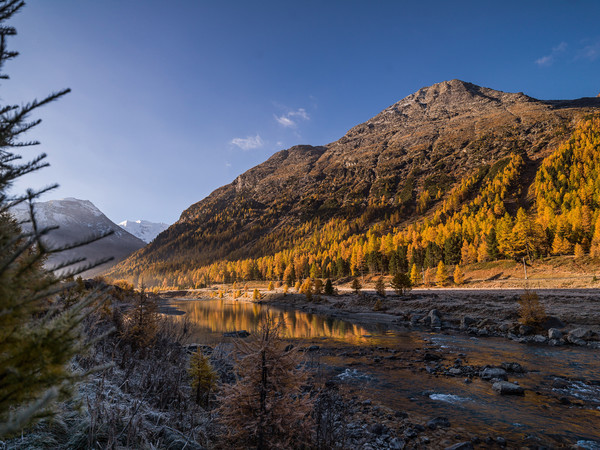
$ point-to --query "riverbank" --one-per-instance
(573, 316)
(393, 385)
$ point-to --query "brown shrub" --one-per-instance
(265, 408)
(532, 312)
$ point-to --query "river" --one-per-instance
(561, 402)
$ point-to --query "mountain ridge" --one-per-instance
(428, 141)
(79, 220)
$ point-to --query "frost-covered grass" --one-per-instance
(140, 399)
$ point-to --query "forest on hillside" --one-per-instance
(498, 212)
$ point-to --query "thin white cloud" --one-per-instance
(301, 113)
(285, 121)
(591, 52)
(290, 119)
(545, 60)
(548, 60)
(248, 143)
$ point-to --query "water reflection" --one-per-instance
(214, 317)
(390, 369)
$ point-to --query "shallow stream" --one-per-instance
(561, 404)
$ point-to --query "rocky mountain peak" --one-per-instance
(424, 143)
(446, 100)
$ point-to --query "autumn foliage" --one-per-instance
(490, 214)
(266, 407)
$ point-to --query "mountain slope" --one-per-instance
(79, 220)
(143, 229)
(393, 168)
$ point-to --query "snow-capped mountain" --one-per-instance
(144, 229)
(79, 220)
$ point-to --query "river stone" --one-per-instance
(506, 388)
(397, 444)
(554, 333)
(378, 429)
(466, 322)
(539, 339)
(579, 334)
(461, 446)
(490, 373)
(435, 322)
(455, 371)
(410, 434)
(438, 422)
(434, 317)
(513, 367)
(576, 341)
(427, 356)
(484, 323)
(415, 319)
(559, 383)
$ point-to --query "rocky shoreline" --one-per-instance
(476, 313)
(369, 422)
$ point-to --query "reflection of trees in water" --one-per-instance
(220, 316)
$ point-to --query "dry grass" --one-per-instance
(547, 273)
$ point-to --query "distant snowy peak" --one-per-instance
(78, 221)
(143, 229)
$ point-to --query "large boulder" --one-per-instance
(438, 422)
(554, 333)
(493, 373)
(435, 320)
(580, 333)
(506, 388)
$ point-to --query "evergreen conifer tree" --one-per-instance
(356, 286)
(401, 283)
(380, 287)
(38, 334)
(329, 287)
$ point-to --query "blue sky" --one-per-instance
(171, 100)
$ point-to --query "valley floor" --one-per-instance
(477, 311)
